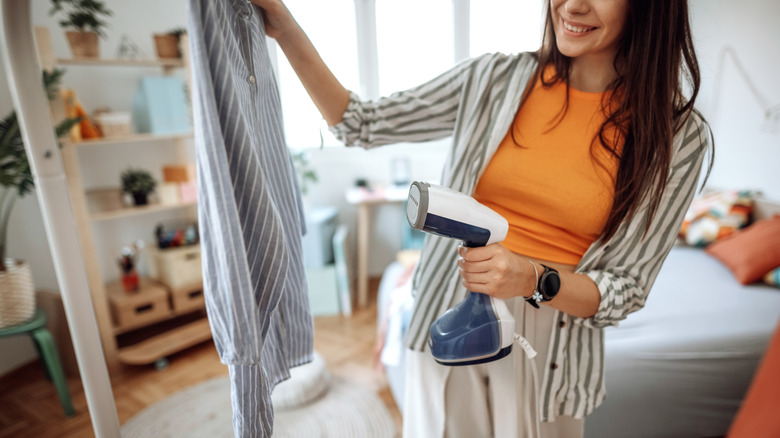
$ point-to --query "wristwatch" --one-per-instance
(546, 288)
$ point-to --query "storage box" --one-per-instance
(187, 300)
(178, 268)
(160, 106)
(137, 309)
(188, 192)
(179, 173)
(168, 193)
(115, 124)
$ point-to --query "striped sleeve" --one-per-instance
(426, 112)
(633, 258)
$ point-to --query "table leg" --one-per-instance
(362, 253)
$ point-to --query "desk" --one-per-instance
(365, 200)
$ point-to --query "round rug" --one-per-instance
(345, 410)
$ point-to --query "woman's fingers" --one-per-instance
(481, 266)
(276, 17)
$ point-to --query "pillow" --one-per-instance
(716, 215)
(772, 278)
(750, 253)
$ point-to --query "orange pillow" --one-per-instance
(751, 252)
(757, 417)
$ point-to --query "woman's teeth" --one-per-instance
(577, 29)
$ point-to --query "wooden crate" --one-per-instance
(188, 299)
(178, 268)
(132, 310)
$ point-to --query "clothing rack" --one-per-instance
(24, 78)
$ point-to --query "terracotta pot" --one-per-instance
(83, 44)
(17, 293)
(167, 45)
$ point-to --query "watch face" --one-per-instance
(551, 284)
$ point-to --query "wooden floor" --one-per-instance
(29, 406)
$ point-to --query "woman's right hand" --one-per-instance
(277, 18)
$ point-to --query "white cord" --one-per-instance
(529, 350)
(531, 354)
(728, 50)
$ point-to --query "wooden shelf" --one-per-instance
(137, 211)
(135, 138)
(167, 343)
(106, 204)
(159, 62)
(93, 206)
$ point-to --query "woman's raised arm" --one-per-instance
(327, 93)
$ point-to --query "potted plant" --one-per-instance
(17, 294)
(305, 173)
(168, 44)
(138, 183)
(82, 17)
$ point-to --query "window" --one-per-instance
(507, 26)
(330, 26)
(415, 41)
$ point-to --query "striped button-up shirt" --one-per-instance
(475, 103)
(249, 210)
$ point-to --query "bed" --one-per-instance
(680, 367)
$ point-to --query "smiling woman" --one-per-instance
(607, 83)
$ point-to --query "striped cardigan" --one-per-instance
(475, 103)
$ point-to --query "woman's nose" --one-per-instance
(576, 7)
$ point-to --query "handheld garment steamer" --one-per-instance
(480, 328)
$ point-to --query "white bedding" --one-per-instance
(680, 366)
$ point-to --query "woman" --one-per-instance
(590, 150)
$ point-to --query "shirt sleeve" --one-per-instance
(633, 258)
(426, 112)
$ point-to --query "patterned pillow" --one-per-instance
(716, 215)
(773, 277)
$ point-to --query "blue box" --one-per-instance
(161, 106)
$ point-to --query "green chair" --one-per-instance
(47, 350)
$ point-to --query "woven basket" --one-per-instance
(17, 294)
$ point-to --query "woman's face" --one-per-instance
(589, 27)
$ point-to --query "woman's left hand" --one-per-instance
(496, 271)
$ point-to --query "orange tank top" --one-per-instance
(557, 186)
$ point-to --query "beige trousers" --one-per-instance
(496, 399)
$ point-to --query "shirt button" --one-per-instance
(554, 366)
(562, 324)
(252, 79)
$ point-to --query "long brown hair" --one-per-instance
(654, 59)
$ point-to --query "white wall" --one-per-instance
(747, 147)
(746, 156)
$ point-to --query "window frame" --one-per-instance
(367, 48)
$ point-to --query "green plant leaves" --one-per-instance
(81, 14)
(137, 181)
(14, 167)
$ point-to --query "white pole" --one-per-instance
(24, 78)
(368, 63)
(461, 13)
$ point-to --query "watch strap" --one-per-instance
(538, 296)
